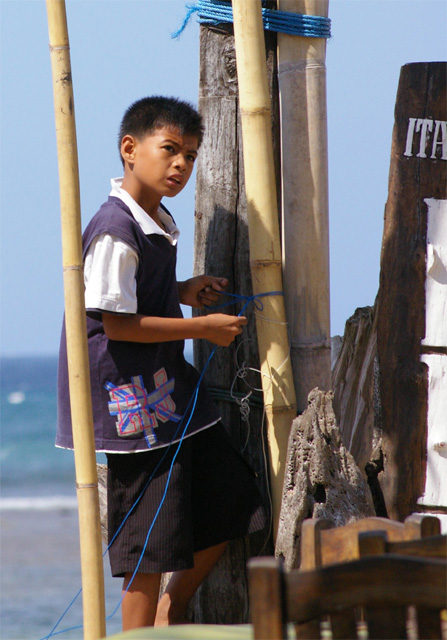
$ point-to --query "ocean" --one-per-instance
(39, 542)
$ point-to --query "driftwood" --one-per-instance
(322, 479)
(355, 403)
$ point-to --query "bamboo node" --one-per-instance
(74, 267)
(59, 47)
(265, 263)
(300, 65)
(285, 408)
(256, 111)
(92, 485)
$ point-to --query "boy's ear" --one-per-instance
(128, 148)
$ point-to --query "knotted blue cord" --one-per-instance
(192, 403)
(214, 12)
(248, 299)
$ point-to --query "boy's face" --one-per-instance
(161, 163)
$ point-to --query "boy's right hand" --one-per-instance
(222, 329)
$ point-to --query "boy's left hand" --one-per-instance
(201, 291)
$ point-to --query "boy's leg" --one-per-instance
(140, 600)
(183, 585)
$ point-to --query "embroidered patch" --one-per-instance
(132, 405)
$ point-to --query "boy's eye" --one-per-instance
(191, 158)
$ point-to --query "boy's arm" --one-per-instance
(201, 291)
(218, 328)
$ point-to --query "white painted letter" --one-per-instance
(423, 125)
(410, 133)
(440, 126)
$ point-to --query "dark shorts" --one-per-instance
(212, 497)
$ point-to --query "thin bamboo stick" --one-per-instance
(304, 171)
(75, 321)
(264, 239)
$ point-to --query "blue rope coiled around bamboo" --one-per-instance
(214, 12)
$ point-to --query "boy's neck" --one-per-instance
(148, 204)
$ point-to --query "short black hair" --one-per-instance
(146, 115)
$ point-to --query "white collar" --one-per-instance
(144, 220)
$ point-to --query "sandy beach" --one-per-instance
(41, 575)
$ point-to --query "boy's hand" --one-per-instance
(221, 329)
(201, 291)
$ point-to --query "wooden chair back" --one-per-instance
(322, 543)
(375, 583)
(374, 543)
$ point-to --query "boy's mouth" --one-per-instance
(176, 179)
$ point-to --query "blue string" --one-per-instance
(214, 12)
(191, 404)
(193, 401)
(248, 299)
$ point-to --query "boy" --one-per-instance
(142, 387)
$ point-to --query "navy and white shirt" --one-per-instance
(142, 393)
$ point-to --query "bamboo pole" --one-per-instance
(75, 321)
(305, 225)
(264, 240)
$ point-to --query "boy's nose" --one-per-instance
(180, 162)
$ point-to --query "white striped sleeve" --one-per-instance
(110, 268)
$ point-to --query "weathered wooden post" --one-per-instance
(412, 300)
(304, 180)
(221, 248)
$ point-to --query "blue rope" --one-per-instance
(247, 299)
(191, 404)
(214, 12)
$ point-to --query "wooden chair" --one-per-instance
(375, 543)
(323, 544)
(376, 583)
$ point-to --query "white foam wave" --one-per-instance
(16, 397)
(47, 503)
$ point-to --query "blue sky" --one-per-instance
(121, 50)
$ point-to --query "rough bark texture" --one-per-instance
(221, 248)
(401, 299)
(353, 384)
(357, 404)
(322, 479)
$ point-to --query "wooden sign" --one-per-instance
(412, 300)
